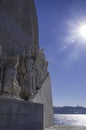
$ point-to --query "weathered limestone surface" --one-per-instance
(44, 96)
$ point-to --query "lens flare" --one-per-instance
(82, 31)
(77, 33)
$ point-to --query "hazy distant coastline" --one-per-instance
(69, 110)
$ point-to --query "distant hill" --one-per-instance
(69, 110)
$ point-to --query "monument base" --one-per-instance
(20, 115)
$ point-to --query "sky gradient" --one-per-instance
(65, 49)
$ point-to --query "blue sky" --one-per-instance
(59, 24)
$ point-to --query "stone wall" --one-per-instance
(20, 115)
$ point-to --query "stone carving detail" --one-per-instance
(41, 69)
(8, 81)
(22, 76)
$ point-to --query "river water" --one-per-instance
(70, 120)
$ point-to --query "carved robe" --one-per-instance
(10, 84)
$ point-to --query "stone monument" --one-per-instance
(23, 66)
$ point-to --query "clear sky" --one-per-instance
(62, 34)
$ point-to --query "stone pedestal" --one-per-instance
(20, 115)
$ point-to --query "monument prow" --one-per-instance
(23, 66)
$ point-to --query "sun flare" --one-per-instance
(78, 32)
(82, 31)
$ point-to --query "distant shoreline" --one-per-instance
(69, 110)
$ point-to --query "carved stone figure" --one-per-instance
(26, 75)
(21, 74)
(10, 84)
(41, 69)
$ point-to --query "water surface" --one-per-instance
(70, 120)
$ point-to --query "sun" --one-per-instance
(77, 32)
(82, 31)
